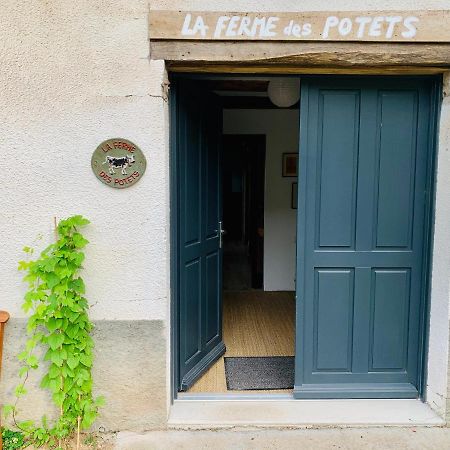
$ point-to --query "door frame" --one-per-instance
(436, 83)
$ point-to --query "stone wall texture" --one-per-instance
(129, 371)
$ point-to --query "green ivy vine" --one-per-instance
(59, 322)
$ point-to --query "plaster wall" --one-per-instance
(77, 76)
(289, 5)
(281, 130)
(73, 75)
(438, 346)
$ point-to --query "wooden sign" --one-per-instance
(379, 26)
(118, 163)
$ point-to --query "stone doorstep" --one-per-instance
(420, 438)
(206, 413)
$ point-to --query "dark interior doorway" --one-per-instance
(243, 211)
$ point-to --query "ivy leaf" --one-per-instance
(54, 384)
(79, 241)
(58, 398)
(26, 425)
(23, 265)
(20, 391)
(72, 330)
(73, 361)
(88, 419)
(33, 362)
(56, 358)
(45, 381)
(64, 272)
(77, 285)
(52, 280)
(22, 356)
(78, 258)
(79, 221)
(54, 371)
(63, 353)
(8, 410)
(86, 360)
(53, 324)
(49, 264)
(67, 373)
(55, 340)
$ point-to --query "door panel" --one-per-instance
(395, 185)
(334, 318)
(362, 207)
(200, 256)
(389, 324)
(338, 152)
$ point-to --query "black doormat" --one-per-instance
(259, 372)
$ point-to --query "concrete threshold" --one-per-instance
(393, 438)
(221, 412)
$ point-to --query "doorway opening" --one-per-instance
(302, 256)
(243, 187)
(257, 228)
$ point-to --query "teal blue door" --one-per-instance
(363, 203)
(199, 232)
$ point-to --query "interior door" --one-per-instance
(199, 232)
(364, 193)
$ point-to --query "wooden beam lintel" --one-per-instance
(289, 69)
(304, 57)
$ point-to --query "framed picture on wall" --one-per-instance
(290, 164)
(294, 195)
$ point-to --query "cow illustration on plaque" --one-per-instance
(118, 163)
(121, 162)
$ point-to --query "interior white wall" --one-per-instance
(280, 126)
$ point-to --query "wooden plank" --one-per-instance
(363, 26)
(302, 53)
(292, 70)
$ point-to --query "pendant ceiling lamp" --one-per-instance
(284, 92)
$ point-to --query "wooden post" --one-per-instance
(4, 317)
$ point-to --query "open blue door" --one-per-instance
(364, 193)
(198, 120)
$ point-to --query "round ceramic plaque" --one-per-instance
(118, 163)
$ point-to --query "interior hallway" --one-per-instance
(255, 323)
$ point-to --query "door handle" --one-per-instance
(222, 232)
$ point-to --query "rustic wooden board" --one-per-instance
(378, 26)
(300, 56)
(299, 70)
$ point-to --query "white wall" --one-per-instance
(72, 77)
(281, 129)
(438, 357)
(290, 5)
